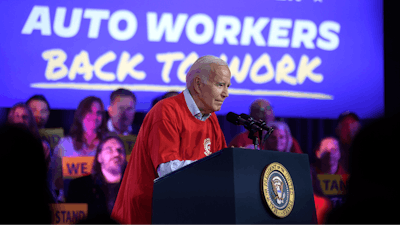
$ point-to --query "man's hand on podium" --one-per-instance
(237, 147)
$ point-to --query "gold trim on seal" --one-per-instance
(266, 179)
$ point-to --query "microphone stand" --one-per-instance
(252, 134)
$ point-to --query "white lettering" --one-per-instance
(326, 30)
(101, 62)
(131, 25)
(81, 65)
(240, 75)
(126, 67)
(299, 36)
(223, 32)
(166, 25)
(74, 24)
(55, 68)
(263, 61)
(278, 33)
(95, 16)
(38, 19)
(185, 65)
(223, 57)
(168, 60)
(306, 68)
(250, 30)
(191, 25)
(283, 68)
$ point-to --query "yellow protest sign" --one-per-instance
(332, 184)
(52, 134)
(74, 167)
(68, 213)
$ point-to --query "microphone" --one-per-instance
(239, 120)
(259, 123)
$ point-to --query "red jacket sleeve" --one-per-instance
(163, 142)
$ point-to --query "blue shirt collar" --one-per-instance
(193, 107)
(111, 128)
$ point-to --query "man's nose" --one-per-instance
(225, 93)
(18, 119)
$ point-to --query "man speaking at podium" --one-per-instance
(177, 131)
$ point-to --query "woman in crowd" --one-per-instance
(20, 113)
(280, 139)
(87, 130)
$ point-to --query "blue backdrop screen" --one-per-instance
(310, 58)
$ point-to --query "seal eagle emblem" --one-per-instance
(277, 189)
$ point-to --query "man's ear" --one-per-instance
(197, 84)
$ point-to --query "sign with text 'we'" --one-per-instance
(74, 167)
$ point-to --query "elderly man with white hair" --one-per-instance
(177, 131)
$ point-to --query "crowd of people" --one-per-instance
(170, 127)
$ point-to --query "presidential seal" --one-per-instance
(277, 189)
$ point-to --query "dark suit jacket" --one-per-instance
(91, 191)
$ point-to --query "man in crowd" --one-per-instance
(260, 109)
(164, 96)
(121, 111)
(40, 109)
(99, 189)
(165, 141)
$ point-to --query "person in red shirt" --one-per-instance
(327, 157)
(347, 128)
(322, 204)
(177, 131)
(260, 109)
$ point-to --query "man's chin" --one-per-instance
(115, 171)
(217, 108)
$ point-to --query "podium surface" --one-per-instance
(227, 187)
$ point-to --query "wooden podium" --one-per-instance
(231, 186)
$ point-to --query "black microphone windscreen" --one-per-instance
(233, 118)
(246, 117)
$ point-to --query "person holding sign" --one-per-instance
(99, 189)
(121, 111)
(328, 156)
(177, 131)
(87, 130)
